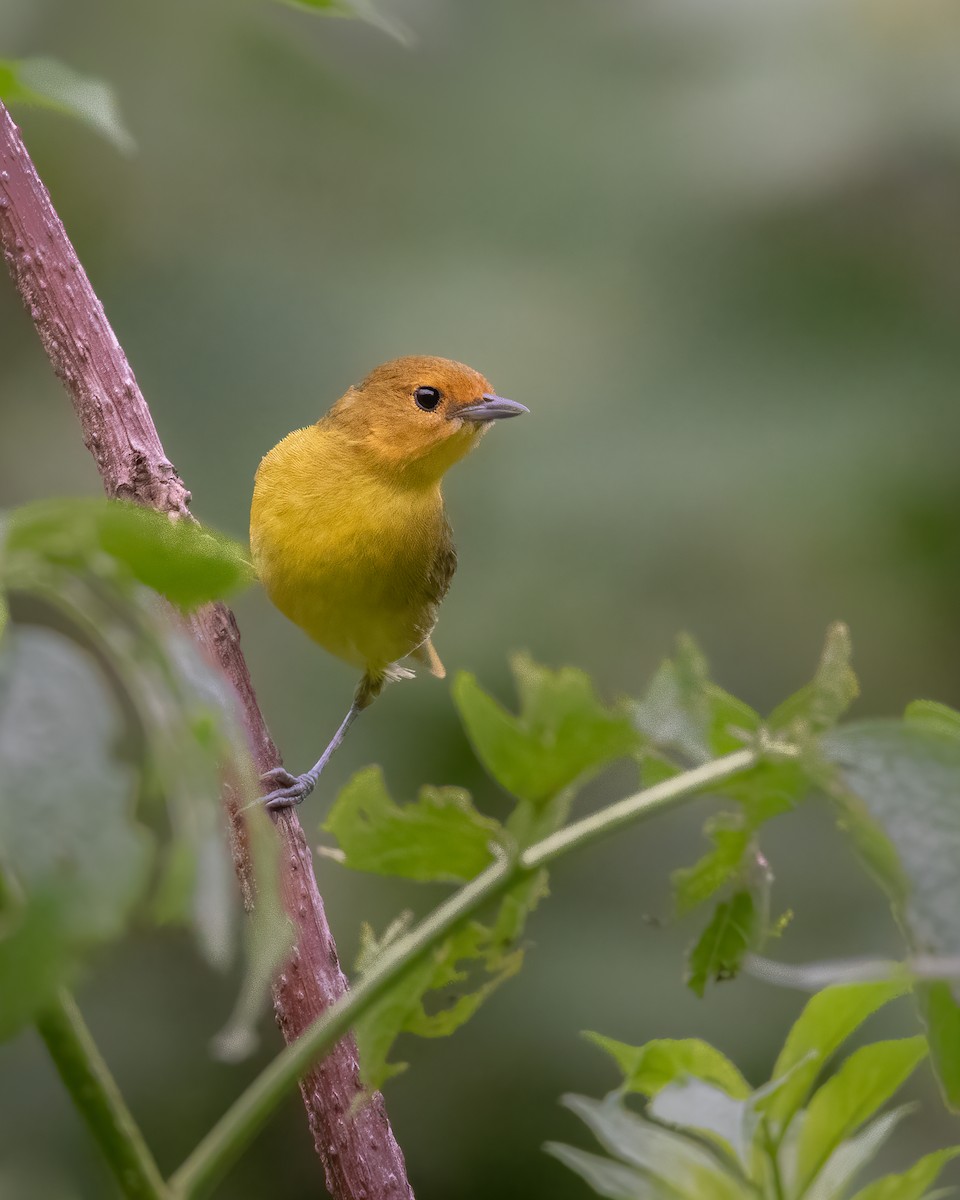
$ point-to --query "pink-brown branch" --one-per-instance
(361, 1158)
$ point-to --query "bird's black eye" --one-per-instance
(427, 398)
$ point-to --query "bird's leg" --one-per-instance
(293, 789)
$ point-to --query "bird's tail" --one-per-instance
(426, 655)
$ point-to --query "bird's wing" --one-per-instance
(438, 581)
(443, 567)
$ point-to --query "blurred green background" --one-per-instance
(713, 245)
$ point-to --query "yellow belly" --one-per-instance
(347, 559)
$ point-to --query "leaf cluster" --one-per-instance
(114, 735)
(894, 785)
(540, 756)
(703, 1131)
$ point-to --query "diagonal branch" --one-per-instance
(361, 1158)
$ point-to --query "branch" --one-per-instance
(238, 1125)
(361, 1158)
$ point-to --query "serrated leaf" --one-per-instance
(825, 1023)
(441, 837)
(181, 560)
(561, 737)
(717, 954)
(683, 711)
(693, 885)
(383, 1022)
(648, 1068)
(768, 789)
(441, 990)
(912, 1184)
(864, 1082)
(46, 83)
(821, 703)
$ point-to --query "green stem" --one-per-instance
(643, 804)
(228, 1137)
(97, 1098)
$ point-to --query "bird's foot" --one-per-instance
(288, 789)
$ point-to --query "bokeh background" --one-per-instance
(713, 245)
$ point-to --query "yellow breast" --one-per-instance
(347, 555)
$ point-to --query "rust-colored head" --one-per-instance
(419, 415)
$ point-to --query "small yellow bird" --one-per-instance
(348, 530)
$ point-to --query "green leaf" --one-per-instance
(470, 953)
(683, 711)
(900, 782)
(912, 1184)
(561, 737)
(649, 1068)
(38, 954)
(655, 768)
(907, 777)
(899, 786)
(382, 1023)
(827, 1020)
(364, 10)
(71, 846)
(181, 560)
(683, 1166)
(708, 1111)
(769, 789)
(441, 990)
(939, 718)
(441, 837)
(609, 1178)
(762, 1141)
(46, 83)
(693, 885)
(865, 1081)
(720, 949)
(851, 1156)
(941, 1016)
(68, 568)
(834, 687)
(687, 712)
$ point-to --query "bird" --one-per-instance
(348, 530)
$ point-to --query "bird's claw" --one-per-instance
(278, 777)
(291, 789)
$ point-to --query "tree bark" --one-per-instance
(360, 1155)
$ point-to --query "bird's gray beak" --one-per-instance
(491, 407)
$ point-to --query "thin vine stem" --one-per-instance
(238, 1125)
(94, 1091)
